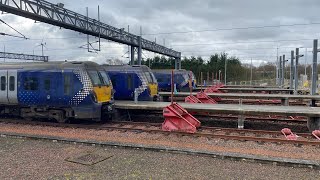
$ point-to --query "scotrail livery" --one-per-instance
(56, 90)
(127, 80)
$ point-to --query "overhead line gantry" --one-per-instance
(56, 15)
(6, 55)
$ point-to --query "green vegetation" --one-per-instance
(236, 71)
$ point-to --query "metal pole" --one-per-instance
(314, 67)
(180, 62)
(277, 68)
(201, 76)
(132, 56)
(283, 69)
(172, 84)
(141, 31)
(280, 71)
(292, 70)
(305, 62)
(139, 51)
(176, 63)
(4, 51)
(251, 73)
(129, 53)
(296, 72)
(87, 29)
(100, 30)
(225, 71)
(190, 82)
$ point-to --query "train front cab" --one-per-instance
(86, 90)
(126, 79)
(102, 93)
(152, 85)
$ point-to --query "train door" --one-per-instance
(130, 82)
(8, 87)
(3, 87)
(12, 86)
(67, 87)
(48, 86)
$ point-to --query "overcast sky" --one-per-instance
(183, 25)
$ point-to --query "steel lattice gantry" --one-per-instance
(23, 56)
(47, 12)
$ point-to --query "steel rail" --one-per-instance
(240, 137)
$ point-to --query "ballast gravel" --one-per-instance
(34, 159)
(171, 140)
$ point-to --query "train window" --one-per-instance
(3, 83)
(148, 76)
(31, 83)
(130, 84)
(96, 81)
(154, 80)
(47, 84)
(11, 83)
(67, 84)
(105, 77)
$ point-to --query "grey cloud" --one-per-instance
(177, 16)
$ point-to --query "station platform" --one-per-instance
(283, 97)
(268, 90)
(240, 86)
(224, 108)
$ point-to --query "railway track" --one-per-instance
(290, 119)
(259, 136)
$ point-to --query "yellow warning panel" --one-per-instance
(153, 89)
(103, 93)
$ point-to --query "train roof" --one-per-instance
(126, 68)
(49, 65)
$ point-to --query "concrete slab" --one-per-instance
(225, 108)
(248, 96)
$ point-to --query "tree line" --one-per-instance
(236, 71)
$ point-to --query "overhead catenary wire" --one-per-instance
(244, 42)
(234, 28)
(5, 34)
(247, 49)
(23, 36)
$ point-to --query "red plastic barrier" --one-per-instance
(289, 134)
(178, 119)
(316, 133)
(192, 100)
(204, 98)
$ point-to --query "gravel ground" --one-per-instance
(147, 139)
(30, 159)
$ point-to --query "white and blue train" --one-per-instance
(56, 90)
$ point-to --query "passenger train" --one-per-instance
(56, 90)
(128, 79)
(181, 79)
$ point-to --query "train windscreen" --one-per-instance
(105, 77)
(150, 77)
(95, 78)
